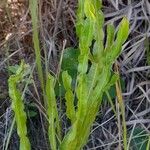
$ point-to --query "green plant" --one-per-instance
(34, 17)
(140, 139)
(85, 89)
(148, 144)
(94, 79)
(70, 64)
(52, 113)
(18, 105)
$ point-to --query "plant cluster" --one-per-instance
(94, 78)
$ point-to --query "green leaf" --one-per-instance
(69, 96)
(123, 31)
(148, 144)
(69, 64)
(67, 80)
(89, 9)
(112, 88)
(32, 113)
(80, 18)
(115, 49)
(139, 140)
(110, 36)
(13, 69)
(52, 112)
(83, 64)
(87, 36)
(32, 109)
(112, 81)
(98, 5)
(70, 61)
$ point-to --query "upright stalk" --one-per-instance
(92, 80)
(34, 18)
(18, 106)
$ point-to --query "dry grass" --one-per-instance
(57, 19)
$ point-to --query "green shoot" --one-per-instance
(52, 112)
(18, 105)
(34, 17)
(69, 96)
